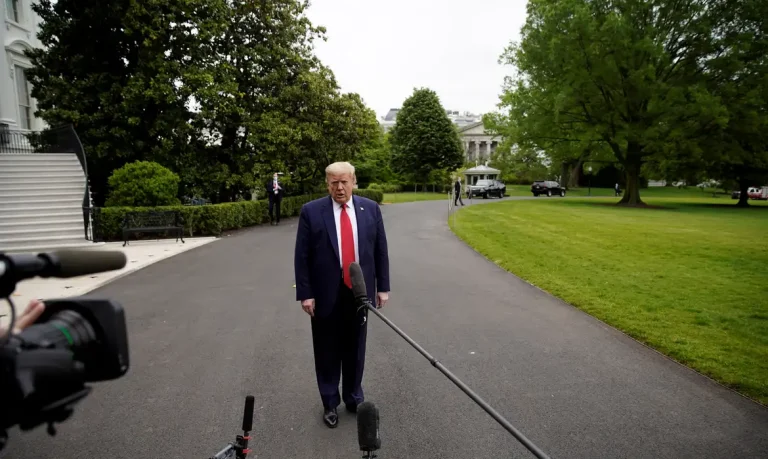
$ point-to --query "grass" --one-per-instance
(689, 279)
(525, 190)
(396, 198)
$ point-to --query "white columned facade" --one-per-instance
(17, 34)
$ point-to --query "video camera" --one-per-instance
(45, 367)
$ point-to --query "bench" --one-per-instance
(153, 222)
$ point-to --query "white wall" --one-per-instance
(17, 36)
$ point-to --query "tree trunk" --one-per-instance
(632, 192)
(743, 197)
(573, 179)
(564, 169)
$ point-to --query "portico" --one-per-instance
(478, 145)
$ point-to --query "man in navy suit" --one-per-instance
(334, 232)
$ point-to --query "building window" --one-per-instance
(25, 105)
(12, 9)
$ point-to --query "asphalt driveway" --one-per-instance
(214, 324)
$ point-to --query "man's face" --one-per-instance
(340, 187)
(274, 176)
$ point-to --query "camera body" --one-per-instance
(45, 367)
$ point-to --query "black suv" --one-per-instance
(487, 189)
(547, 187)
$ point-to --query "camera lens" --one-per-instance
(66, 329)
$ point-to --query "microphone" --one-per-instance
(248, 414)
(63, 264)
(359, 290)
(368, 429)
(74, 263)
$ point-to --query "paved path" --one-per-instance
(216, 323)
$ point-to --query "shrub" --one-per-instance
(373, 195)
(143, 183)
(386, 187)
(210, 220)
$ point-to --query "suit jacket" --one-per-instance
(316, 263)
(456, 187)
(271, 192)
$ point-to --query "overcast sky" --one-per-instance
(384, 49)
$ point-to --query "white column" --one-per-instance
(8, 109)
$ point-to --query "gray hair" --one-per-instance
(339, 168)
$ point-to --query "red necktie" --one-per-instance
(347, 244)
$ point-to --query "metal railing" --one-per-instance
(62, 139)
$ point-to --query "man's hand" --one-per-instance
(308, 306)
(34, 309)
(381, 299)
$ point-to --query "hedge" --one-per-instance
(209, 220)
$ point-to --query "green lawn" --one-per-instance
(525, 190)
(690, 279)
(395, 198)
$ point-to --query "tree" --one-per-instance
(739, 77)
(614, 77)
(273, 105)
(122, 74)
(373, 164)
(423, 138)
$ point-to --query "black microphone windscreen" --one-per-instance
(73, 263)
(358, 280)
(368, 427)
(248, 414)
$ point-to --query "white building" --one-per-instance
(17, 107)
(459, 119)
(478, 144)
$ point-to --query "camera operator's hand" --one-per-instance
(34, 309)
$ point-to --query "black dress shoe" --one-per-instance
(330, 418)
(352, 407)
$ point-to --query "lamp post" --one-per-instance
(590, 180)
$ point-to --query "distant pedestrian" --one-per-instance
(617, 189)
(457, 192)
(275, 192)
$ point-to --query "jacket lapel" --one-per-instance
(360, 216)
(330, 225)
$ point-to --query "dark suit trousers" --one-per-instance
(274, 202)
(339, 346)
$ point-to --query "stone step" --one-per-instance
(51, 231)
(42, 210)
(41, 188)
(41, 176)
(39, 169)
(24, 196)
(46, 245)
(29, 226)
(37, 202)
(39, 157)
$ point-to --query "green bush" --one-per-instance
(373, 195)
(143, 183)
(386, 187)
(210, 220)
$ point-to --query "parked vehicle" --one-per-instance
(487, 189)
(736, 195)
(758, 193)
(547, 187)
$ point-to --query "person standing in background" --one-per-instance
(457, 192)
(275, 192)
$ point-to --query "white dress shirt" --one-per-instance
(352, 217)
